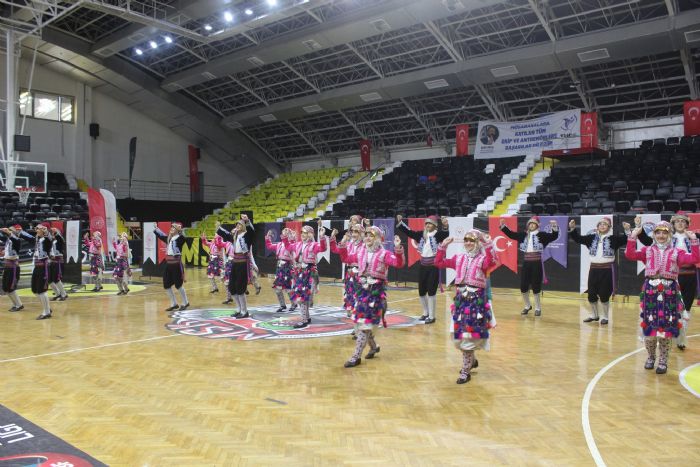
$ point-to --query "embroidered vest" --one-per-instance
(536, 245)
(608, 252)
(433, 244)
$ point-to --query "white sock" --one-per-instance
(15, 299)
(244, 304)
(61, 288)
(280, 297)
(432, 300)
(237, 298)
(526, 299)
(171, 294)
(213, 283)
(538, 305)
(54, 288)
(594, 309)
(45, 303)
(606, 309)
(424, 304)
(183, 295)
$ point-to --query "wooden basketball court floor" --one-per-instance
(106, 376)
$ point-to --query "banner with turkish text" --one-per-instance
(462, 140)
(589, 130)
(365, 153)
(506, 248)
(162, 247)
(458, 227)
(414, 223)
(558, 130)
(558, 249)
(96, 208)
(691, 118)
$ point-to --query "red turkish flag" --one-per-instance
(296, 227)
(365, 151)
(506, 248)
(414, 223)
(589, 130)
(691, 118)
(462, 140)
(162, 251)
(96, 208)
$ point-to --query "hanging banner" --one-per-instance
(386, 226)
(589, 130)
(162, 249)
(417, 224)
(327, 253)
(691, 118)
(648, 223)
(276, 229)
(506, 248)
(365, 153)
(132, 160)
(558, 249)
(458, 227)
(559, 130)
(96, 208)
(149, 242)
(110, 218)
(72, 241)
(193, 156)
(462, 140)
(296, 227)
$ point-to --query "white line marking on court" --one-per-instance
(681, 377)
(88, 348)
(585, 405)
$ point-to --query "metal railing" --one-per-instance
(163, 191)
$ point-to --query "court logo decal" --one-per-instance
(265, 323)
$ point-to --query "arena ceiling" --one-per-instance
(309, 78)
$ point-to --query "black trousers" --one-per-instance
(428, 278)
(40, 278)
(600, 284)
(531, 276)
(688, 284)
(173, 275)
(10, 278)
(238, 281)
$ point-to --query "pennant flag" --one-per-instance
(387, 226)
(276, 229)
(414, 223)
(648, 223)
(110, 219)
(691, 118)
(365, 152)
(506, 248)
(73, 240)
(162, 247)
(149, 242)
(96, 208)
(327, 253)
(589, 130)
(558, 249)
(295, 226)
(458, 227)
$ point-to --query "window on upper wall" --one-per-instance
(46, 106)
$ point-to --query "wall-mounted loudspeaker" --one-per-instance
(22, 143)
(94, 130)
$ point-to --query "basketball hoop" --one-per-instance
(23, 193)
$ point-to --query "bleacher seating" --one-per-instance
(281, 197)
(449, 186)
(661, 176)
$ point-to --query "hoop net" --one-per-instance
(23, 194)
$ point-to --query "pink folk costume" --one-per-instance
(284, 275)
(216, 259)
(373, 264)
(472, 312)
(122, 267)
(97, 264)
(304, 280)
(661, 303)
(351, 279)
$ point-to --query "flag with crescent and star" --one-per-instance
(506, 248)
(417, 224)
(462, 140)
(589, 130)
(691, 118)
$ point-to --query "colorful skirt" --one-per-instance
(96, 265)
(370, 303)
(351, 288)
(661, 308)
(472, 318)
(121, 267)
(284, 276)
(214, 267)
(304, 286)
(227, 271)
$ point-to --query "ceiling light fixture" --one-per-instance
(207, 27)
(228, 16)
(168, 39)
(248, 11)
(153, 44)
(138, 51)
